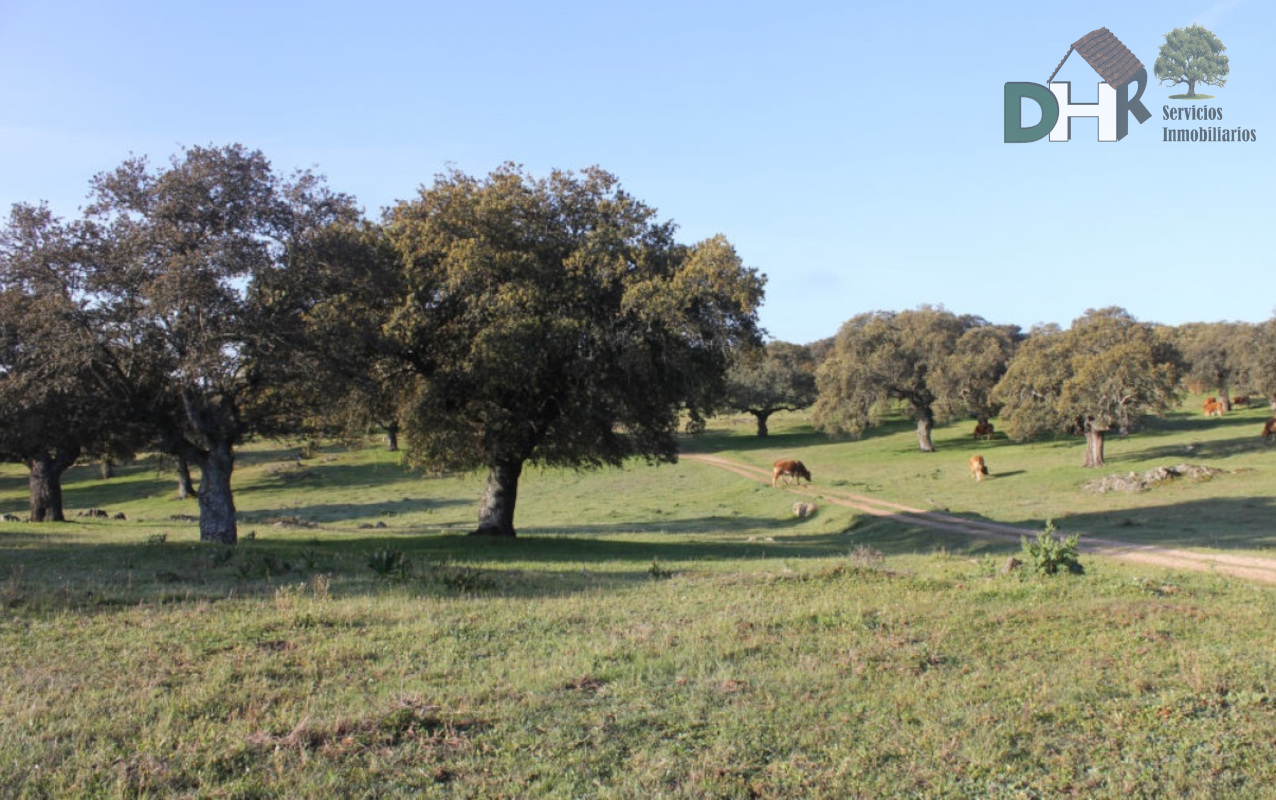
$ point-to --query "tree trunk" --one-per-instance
(392, 437)
(107, 469)
(1094, 447)
(216, 503)
(184, 486)
(762, 417)
(45, 483)
(925, 422)
(1225, 399)
(496, 512)
(1191, 88)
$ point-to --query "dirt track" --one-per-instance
(1249, 567)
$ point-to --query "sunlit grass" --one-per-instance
(654, 631)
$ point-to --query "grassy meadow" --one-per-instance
(668, 631)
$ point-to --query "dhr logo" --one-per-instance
(1115, 64)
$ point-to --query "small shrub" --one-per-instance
(864, 556)
(658, 572)
(1048, 555)
(390, 565)
(459, 578)
(157, 538)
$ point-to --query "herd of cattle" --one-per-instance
(790, 469)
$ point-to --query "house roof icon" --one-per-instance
(1105, 54)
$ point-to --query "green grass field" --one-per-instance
(654, 631)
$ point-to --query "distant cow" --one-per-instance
(978, 469)
(791, 470)
(984, 429)
(1213, 408)
(1269, 429)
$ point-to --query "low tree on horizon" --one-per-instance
(777, 377)
(1101, 375)
(913, 357)
(1214, 354)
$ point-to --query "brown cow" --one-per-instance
(984, 429)
(1213, 408)
(1243, 400)
(791, 470)
(978, 469)
(1269, 429)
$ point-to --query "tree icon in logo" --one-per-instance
(1191, 55)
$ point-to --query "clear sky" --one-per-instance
(851, 151)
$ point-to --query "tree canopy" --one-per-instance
(1191, 55)
(556, 321)
(54, 400)
(936, 363)
(779, 377)
(1104, 373)
(1214, 355)
(208, 268)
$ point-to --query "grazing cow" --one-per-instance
(1243, 400)
(1213, 408)
(1269, 429)
(978, 469)
(791, 470)
(984, 429)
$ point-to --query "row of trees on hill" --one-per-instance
(499, 321)
(1102, 374)
(491, 322)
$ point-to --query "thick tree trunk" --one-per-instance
(107, 469)
(45, 483)
(184, 486)
(925, 423)
(216, 503)
(496, 512)
(392, 437)
(1094, 447)
(763, 431)
(1225, 399)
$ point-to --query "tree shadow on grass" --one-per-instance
(1196, 451)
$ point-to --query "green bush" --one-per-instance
(1048, 554)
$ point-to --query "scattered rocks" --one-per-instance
(184, 518)
(93, 512)
(11, 518)
(1141, 482)
(804, 510)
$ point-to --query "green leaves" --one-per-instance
(1191, 55)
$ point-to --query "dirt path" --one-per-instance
(1249, 567)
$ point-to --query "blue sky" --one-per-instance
(852, 152)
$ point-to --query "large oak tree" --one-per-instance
(1103, 374)
(556, 321)
(209, 266)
